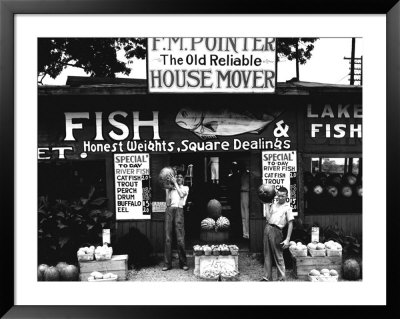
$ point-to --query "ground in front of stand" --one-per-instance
(250, 268)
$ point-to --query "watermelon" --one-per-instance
(214, 208)
(266, 193)
(222, 223)
(359, 190)
(69, 273)
(51, 274)
(351, 269)
(346, 191)
(164, 177)
(61, 265)
(208, 223)
(349, 179)
(318, 190)
(41, 269)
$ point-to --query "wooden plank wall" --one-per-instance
(349, 223)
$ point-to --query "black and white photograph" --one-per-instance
(200, 159)
(197, 160)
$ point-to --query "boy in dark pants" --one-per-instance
(277, 215)
(174, 218)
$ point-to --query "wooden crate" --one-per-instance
(118, 264)
(303, 265)
(199, 259)
(213, 237)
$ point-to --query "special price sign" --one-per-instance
(279, 168)
(211, 65)
(132, 186)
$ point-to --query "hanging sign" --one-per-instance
(315, 234)
(279, 169)
(214, 65)
(106, 236)
(132, 186)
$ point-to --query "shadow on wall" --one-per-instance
(138, 248)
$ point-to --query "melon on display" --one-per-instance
(333, 272)
(349, 179)
(351, 269)
(208, 223)
(69, 273)
(41, 269)
(51, 274)
(347, 191)
(318, 190)
(314, 272)
(359, 190)
(61, 265)
(332, 191)
(266, 193)
(164, 177)
(222, 223)
(214, 208)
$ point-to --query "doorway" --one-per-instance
(221, 176)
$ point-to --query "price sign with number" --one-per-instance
(132, 186)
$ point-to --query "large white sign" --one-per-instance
(211, 65)
(279, 168)
(132, 186)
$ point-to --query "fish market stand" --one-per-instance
(116, 136)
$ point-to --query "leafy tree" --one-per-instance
(298, 49)
(96, 56)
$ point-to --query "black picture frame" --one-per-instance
(8, 10)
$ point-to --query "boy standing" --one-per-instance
(174, 218)
(277, 215)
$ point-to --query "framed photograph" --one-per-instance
(179, 156)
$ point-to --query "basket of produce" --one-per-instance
(224, 250)
(210, 274)
(98, 276)
(333, 248)
(198, 250)
(316, 249)
(234, 250)
(325, 275)
(298, 250)
(229, 275)
(215, 250)
(207, 250)
(85, 253)
(103, 252)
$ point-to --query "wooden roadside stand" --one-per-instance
(302, 265)
(118, 265)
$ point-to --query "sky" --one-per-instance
(327, 65)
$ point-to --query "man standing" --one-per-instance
(174, 218)
(277, 215)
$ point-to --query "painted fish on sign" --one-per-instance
(210, 124)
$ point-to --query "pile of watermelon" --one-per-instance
(222, 223)
(332, 185)
(61, 272)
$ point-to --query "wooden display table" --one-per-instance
(303, 265)
(213, 237)
(199, 261)
(118, 265)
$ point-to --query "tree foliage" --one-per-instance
(295, 48)
(96, 56)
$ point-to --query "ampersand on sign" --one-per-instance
(281, 130)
